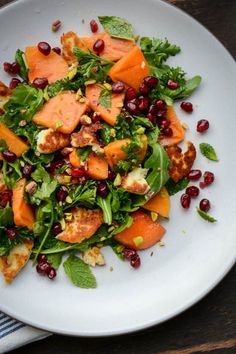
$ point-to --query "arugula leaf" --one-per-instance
(83, 195)
(3, 145)
(79, 272)
(105, 98)
(208, 151)
(83, 153)
(128, 222)
(19, 58)
(11, 173)
(55, 260)
(6, 216)
(45, 191)
(65, 84)
(175, 187)
(40, 174)
(205, 216)
(117, 27)
(105, 205)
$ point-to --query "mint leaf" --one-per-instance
(205, 216)
(55, 260)
(79, 272)
(47, 188)
(105, 98)
(173, 187)
(208, 151)
(117, 27)
(19, 58)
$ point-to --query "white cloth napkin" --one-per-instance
(14, 334)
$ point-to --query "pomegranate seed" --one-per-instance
(56, 228)
(1, 111)
(202, 185)
(185, 200)
(102, 190)
(152, 109)
(51, 273)
(208, 178)
(172, 85)
(14, 83)
(11, 233)
(50, 167)
(44, 48)
(132, 107)
(143, 103)
(144, 89)
(7, 67)
(118, 87)
(9, 156)
(57, 50)
(135, 261)
(26, 170)
(98, 46)
(161, 113)
(130, 94)
(129, 252)
(167, 131)
(43, 268)
(205, 205)
(5, 197)
(192, 191)
(186, 106)
(111, 175)
(42, 258)
(81, 180)
(150, 81)
(160, 104)
(78, 171)
(152, 118)
(96, 117)
(163, 123)
(202, 125)
(15, 68)
(40, 82)
(62, 193)
(194, 175)
(93, 26)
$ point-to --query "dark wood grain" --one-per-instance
(210, 325)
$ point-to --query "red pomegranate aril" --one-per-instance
(172, 84)
(150, 81)
(192, 191)
(96, 117)
(40, 82)
(51, 273)
(152, 109)
(163, 123)
(57, 50)
(59, 164)
(161, 113)
(135, 261)
(194, 175)
(9, 156)
(209, 178)
(93, 26)
(143, 103)
(14, 83)
(26, 170)
(44, 48)
(144, 89)
(202, 125)
(7, 67)
(167, 131)
(152, 117)
(130, 94)
(43, 268)
(118, 87)
(78, 171)
(160, 104)
(56, 228)
(202, 185)
(5, 197)
(132, 107)
(111, 175)
(102, 190)
(129, 252)
(99, 46)
(185, 200)
(42, 258)
(11, 233)
(205, 205)
(61, 194)
(186, 106)
(15, 68)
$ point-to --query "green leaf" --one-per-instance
(175, 187)
(83, 153)
(19, 58)
(3, 145)
(105, 205)
(55, 260)
(117, 27)
(83, 195)
(40, 174)
(205, 216)
(79, 272)
(208, 151)
(45, 191)
(85, 57)
(6, 216)
(105, 98)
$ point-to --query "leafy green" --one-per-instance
(79, 272)
(45, 191)
(208, 151)
(205, 216)
(174, 187)
(3, 145)
(6, 216)
(105, 205)
(55, 260)
(117, 27)
(83, 195)
(65, 84)
(11, 172)
(105, 98)
(6, 244)
(19, 58)
(83, 153)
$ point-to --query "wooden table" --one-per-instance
(209, 326)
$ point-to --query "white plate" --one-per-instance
(197, 255)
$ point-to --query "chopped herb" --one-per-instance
(205, 216)
(208, 151)
(117, 27)
(105, 98)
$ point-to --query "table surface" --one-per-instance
(210, 325)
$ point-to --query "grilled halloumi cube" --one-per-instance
(86, 136)
(93, 256)
(135, 182)
(49, 141)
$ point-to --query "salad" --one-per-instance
(89, 150)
